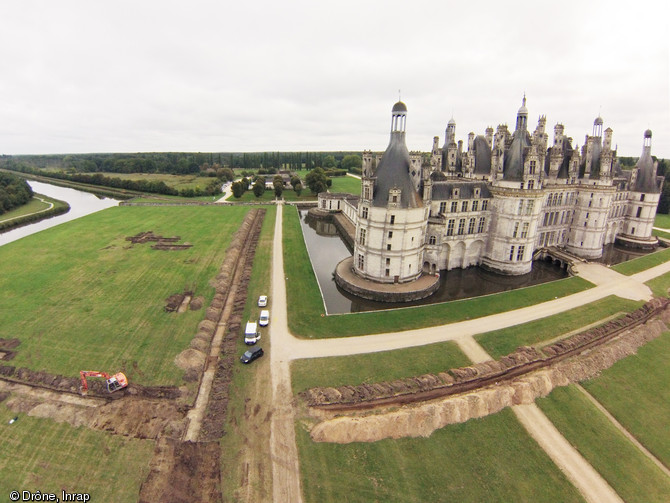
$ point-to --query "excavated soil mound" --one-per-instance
(424, 418)
(6, 346)
(3, 395)
(183, 472)
(197, 303)
(190, 359)
(173, 302)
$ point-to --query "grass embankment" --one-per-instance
(40, 454)
(251, 385)
(630, 473)
(38, 208)
(499, 343)
(662, 220)
(375, 367)
(636, 391)
(660, 285)
(642, 263)
(306, 311)
(489, 459)
(87, 299)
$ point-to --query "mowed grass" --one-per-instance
(40, 454)
(79, 296)
(639, 264)
(489, 459)
(630, 473)
(307, 318)
(660, 285)
(662, 220)
(636, 391)
(32, 206)
(376, 367)
(178, 182)
(502, 342)
(347, 184)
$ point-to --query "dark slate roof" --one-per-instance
(482, 156)
(595, 163)
(514, 156)
(393, 172)
(443, 191)
(646, 175)
(564, 170)
(399, 107)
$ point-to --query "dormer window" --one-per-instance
(456, 192)
(477, 192)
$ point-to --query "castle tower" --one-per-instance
(522, 116)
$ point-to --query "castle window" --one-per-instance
(392, 219)
(450, 227)
(476, 193)
(366, 193)
(480, 227)
(361, 261)
(533, 165)
(390, 234)
(485, 204)
(443, 207)
(511, 253)
(395, 198)
(530, 204)
(475, 205)
(454, 206)
(361, 236)
(519, 253)
(516, 229)
(388, 247)
(388, 261)
(471, 226)
(461, 226)
(520, 210)
(531, 184)
(524, 230)
(364, 212)
(632, 231)
(546, 220)
(639, 212)
(641, 197)
(387, 272)
(432, 240)
(464, 206)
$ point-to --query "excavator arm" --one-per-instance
(116, 382)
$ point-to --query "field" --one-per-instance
(502, 342)
(632, 475)
(662, 221)
(306, 315)
(643, 263)
(40, 454)
(375, 367)
(33, 206)
(347, 184)
(490, 459)
(178, 182)
(87, 299)
(639, 397)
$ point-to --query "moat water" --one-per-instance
(81, 204)
(327, 249)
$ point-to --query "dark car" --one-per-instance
(251, 355)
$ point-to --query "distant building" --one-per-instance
(495, 202)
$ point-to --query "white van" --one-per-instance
(265, 318)
(251, 333)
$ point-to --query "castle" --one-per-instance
(495, 204)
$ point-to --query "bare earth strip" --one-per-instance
(285, 467)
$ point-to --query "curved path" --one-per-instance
(51, 205)
(286, 347)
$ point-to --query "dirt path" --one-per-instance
(285, 467)
(51, 205)
(589, 482)
(623, 430)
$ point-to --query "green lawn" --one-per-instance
(630, 473)
(306, 317)
(78, 296)
(636, 390)
(662, 220)
(660, 285)
(40, 454)
(502, 342)
(643, 263)
(178, 182)
(489, 459)
(33, 206)
(661, 234)
(340, 184)
(376, 367)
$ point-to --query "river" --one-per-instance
(81, 204)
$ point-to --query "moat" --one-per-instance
(326, 249)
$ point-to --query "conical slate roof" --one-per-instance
(393, 172)
(646, 175)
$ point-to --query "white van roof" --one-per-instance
(250, 328)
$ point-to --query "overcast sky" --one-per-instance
(148, 75)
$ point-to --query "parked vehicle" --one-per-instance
(251, 354)
(265, 318)
(251, 333)
(262, 301)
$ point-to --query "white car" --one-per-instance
(265, 318)
(262, 301)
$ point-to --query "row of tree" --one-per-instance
(14, 192)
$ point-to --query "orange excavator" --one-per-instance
(114, 383)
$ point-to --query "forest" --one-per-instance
(14, 192)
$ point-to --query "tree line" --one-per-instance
(14, 192)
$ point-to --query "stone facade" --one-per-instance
(497, 202)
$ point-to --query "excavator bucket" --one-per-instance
(117, 382)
